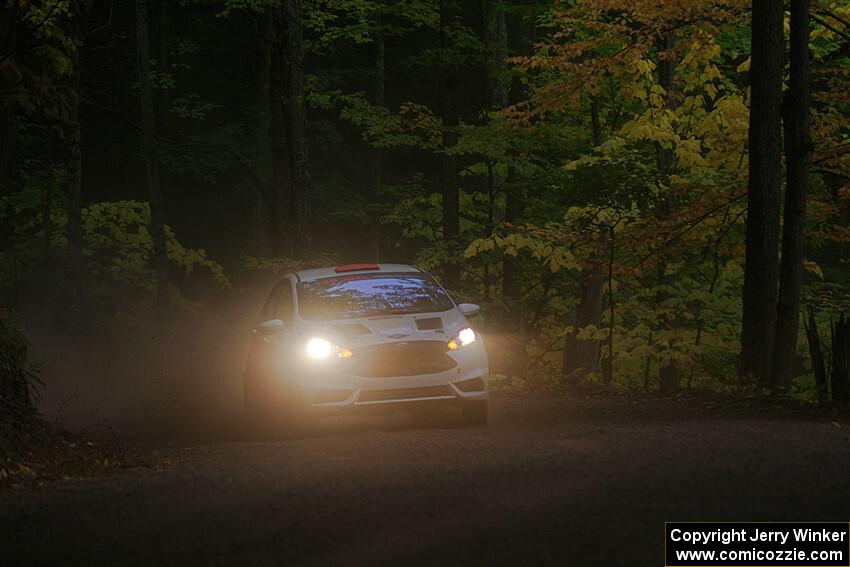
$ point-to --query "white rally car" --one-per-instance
(380, 337)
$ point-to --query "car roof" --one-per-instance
(331, 271)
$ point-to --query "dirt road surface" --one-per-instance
(551, 481)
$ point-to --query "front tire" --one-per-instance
(474, 413)
(278, 416)
(297, 422)
(254, 411)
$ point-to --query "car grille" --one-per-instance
(402, 359)
(405, 394)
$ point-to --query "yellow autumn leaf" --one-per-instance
(813, 268)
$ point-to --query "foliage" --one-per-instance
(336, 23)
(621, 159)
(676, 228)
(117, 247)
(17, 388)
(280, 266)
(33, 78)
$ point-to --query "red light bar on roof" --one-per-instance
(356, 268)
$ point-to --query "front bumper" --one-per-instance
(330, 387)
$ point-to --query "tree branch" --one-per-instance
(830, 27)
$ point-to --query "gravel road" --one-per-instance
(551, 481)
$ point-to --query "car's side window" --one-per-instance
(284, 302)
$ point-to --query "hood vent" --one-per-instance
(430, 324)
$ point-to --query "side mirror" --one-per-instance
(469, 308)
(269, 327)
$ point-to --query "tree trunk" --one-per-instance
(262, 213)
(491, 222)
(46, 194)
(10, 23)
(164, 62)
(497, 38)
(840, 376)
(379, 100)
(595, 123)
(816, 354)
(522, 41)
(297, 116)
(668, 371)
(497, 96)
(760, 268)
(797, 160)
(608, 365)
(583, 354)
(513, 209)
(8, 161)
(74, 186)
(157, 221)
(281, 192)
(448, 175)
(73, 166)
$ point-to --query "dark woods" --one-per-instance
(634, 195)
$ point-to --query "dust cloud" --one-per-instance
(154, 376)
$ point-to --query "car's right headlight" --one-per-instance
(464, 337)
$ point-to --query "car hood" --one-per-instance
(365, 331)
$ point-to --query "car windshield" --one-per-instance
(346, 297)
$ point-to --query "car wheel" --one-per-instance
(474, 413)
(251, 407)
(295, 421)
(259, 416)
(270, 417)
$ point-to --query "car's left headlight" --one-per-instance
(464, 337)
(318, 348)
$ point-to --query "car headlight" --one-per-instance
(320, 349)
(464, 337)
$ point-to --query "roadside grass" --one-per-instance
(801, 403)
